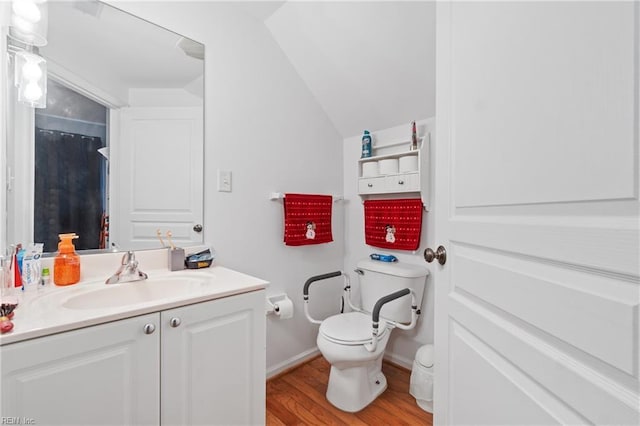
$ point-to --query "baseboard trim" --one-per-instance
(292, 363)
(302, 358)
(399, 361)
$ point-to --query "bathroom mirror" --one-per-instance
(118, 153)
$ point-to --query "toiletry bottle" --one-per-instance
(66, 265)
(15, 268)
(366, 144)
(46, 278)
(20, 259)
(5, 276)
(414, 137)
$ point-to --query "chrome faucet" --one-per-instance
(128, 270)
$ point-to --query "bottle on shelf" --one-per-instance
(414, 137)
(366, 144)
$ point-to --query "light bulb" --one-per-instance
(32, 92)
(22, 24)
(31, 71)
(27, 10)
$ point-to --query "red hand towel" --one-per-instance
(393, 224)
(307, 219)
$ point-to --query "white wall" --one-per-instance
(20, 153)
(263, 124)
(403, 344)
(162, 97)
(5, 10)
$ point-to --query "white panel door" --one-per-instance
(213, 362)
(537, 307)
(159, 167)
(101, 375)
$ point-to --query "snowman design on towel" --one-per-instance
(390, 237)
(311, 231)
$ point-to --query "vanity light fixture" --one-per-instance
(29, 22)
(31, 79)
(27, 32)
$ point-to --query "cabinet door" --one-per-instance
(101, 375)
(213, 362)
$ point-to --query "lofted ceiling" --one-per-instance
(371, 65)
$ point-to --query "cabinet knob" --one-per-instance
(174, 322)
(400, 182)
(149, 328)
(370, 185)
(197, 228)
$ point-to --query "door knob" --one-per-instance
(197, 228)
(440, 254)
(149, 328)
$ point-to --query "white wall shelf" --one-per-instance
(382, 157)
(374, 179)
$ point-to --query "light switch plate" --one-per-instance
(224, 181)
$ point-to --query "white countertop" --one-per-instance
(42, 311)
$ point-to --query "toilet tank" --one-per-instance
(379, 279)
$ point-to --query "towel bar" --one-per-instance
(424, 207)
(279, 196)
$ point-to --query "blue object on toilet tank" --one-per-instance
(366, 144)
(383, 257)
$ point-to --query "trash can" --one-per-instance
(421, 383)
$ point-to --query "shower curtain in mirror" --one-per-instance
(69, 188)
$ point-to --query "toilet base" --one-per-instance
(352, 389)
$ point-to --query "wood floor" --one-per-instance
(298, 398)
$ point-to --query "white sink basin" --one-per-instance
(131, 293)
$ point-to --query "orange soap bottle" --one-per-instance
(66, 265)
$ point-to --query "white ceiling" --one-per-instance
(260, 10)
(115, 51)
(371, 65)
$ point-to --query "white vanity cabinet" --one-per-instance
(105, 374)
(213, 362)
(198, 364)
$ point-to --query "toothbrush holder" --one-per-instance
(176, 259)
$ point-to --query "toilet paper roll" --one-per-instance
(388, 166)
(408, 163)
(284, 308)
(370, 169)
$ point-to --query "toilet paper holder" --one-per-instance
(271, 303)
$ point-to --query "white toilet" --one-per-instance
(354, 342)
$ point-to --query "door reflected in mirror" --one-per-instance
(118, 152)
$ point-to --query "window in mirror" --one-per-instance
(70, 172)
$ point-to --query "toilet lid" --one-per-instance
(352, 328)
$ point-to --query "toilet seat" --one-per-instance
(351, 328)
